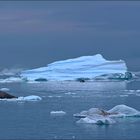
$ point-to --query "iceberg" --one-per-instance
(85, 67)
(99, 116)
(117, 111)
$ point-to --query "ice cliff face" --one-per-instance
(72, 69)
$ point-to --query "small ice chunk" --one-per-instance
(50, 96)
(58, 113)
(29, 98)
(123, 95)
(4, 89)
(70, 93)
(138, 90)
(54, 96)
(131, 90)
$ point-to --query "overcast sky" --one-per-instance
(33, 34)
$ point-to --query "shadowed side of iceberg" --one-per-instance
(81, 67)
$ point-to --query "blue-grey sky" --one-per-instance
(33, 34)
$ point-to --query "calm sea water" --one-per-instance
(32, 120)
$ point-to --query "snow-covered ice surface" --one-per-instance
(81, 67)
(94, 116)
(26, 98)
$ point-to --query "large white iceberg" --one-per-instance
(72, 69)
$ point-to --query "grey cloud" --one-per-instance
(32, 35)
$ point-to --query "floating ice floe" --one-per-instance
(11, 80)
(4, 89)
(83, 68)
(123, 95)
(30, 98)
(138, 90)
(70, 93)
(55, 96)
(57, 113)
(26, 98)
(99, 116)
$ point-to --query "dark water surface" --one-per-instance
(32, 120)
